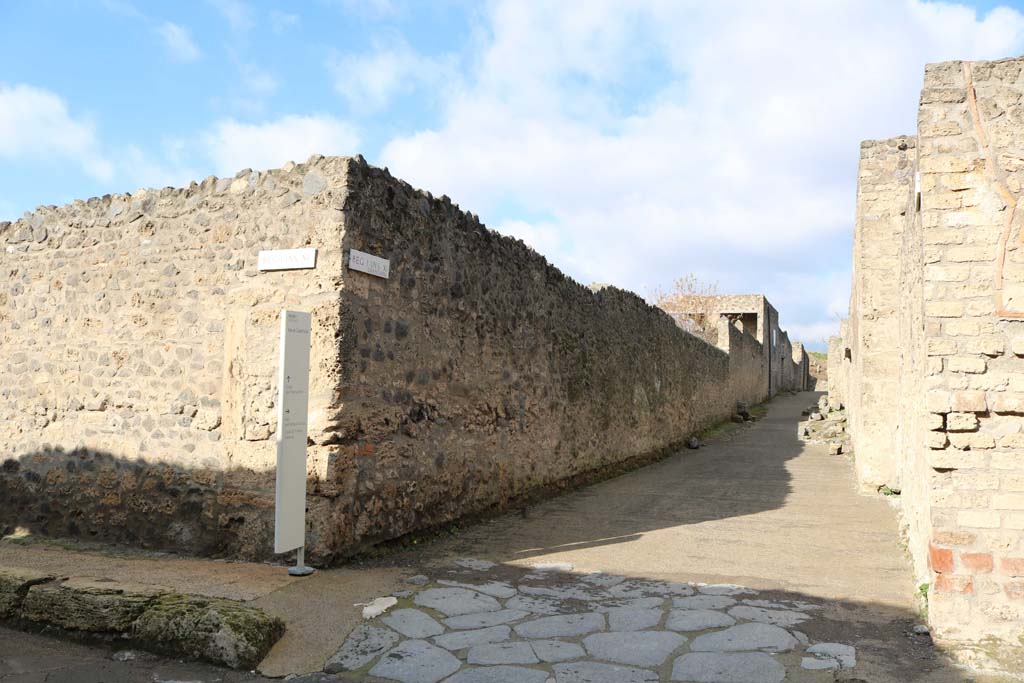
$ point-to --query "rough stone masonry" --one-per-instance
(140, 349)
(929, 360)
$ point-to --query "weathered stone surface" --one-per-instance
(561, 625)
(220, 631)
(413, 623)
(765, 637)
(556, 650)
(628, 619)
(499, 674)
(697, 620)
(635, 588)
(704, 602)
(463, 639)
(416, 661)
(496, 589)
(456, 601)
(14, 585)
(502, 653)
(768, 616)
(87, 605)
(641, 648)
(595, 672)
(724, 589)
(535, 604)
(846, 655)
(485, 619)
(712, 667)
(475, 564)
(362, 646)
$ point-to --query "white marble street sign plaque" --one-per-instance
(368, 263)
(286, 259)
(292, 427)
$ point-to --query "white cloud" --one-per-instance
(260, 82)
(236, 13)
(369, 82)
(36, 128)
(178, 42)
(282, 21)
(233, 146)
(659, 139)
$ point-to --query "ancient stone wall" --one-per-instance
(139, 357)
(885, 173)
(959, 402)
(140, 360)
(746, 362)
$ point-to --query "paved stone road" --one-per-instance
(479, 622)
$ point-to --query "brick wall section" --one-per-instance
(960, 405)
(746, 362)
(140, 358)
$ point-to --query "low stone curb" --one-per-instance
(216, 630)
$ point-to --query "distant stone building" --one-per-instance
(929, 361)
(785, 366)
(139, 365)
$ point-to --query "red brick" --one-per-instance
(977, 563)
(940, 559)
(946, 583)
(1014, 566)
(1014, 590)
(367, 449)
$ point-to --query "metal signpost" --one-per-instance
(292, 429)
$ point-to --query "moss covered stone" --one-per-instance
(219, 631)
(14, 585)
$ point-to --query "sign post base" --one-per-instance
(300, 568)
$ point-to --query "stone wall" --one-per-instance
(140, 353)
(959, 403)
(885, 174)
(783, 368)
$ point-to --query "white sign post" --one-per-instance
(292, 428)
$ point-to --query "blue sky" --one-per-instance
(630, 142)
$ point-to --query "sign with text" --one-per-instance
(368, 263)
(286, 259)
(292, 428)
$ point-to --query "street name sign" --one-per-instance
(286, 259)
(368, 263)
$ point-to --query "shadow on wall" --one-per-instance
(744, 475)
(90, 495)
(96, 496)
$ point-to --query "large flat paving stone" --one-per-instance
(626, 603)
(714, 667)
(743, 637)
(561, 625)
(496, 589)
(697, 620)
(779, 617)
(413, 623)
(416, 661)
(556, 650)
(502, 653)
(637, 588)
(485, 619)
(628, 619)
(594, 672)
(499, 674)
(463, 639)
(535, 604)
(846, 655)
(704, 602)
(642, 648)
(452, 602)
(362, 646)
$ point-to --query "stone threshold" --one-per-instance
(217, 630)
